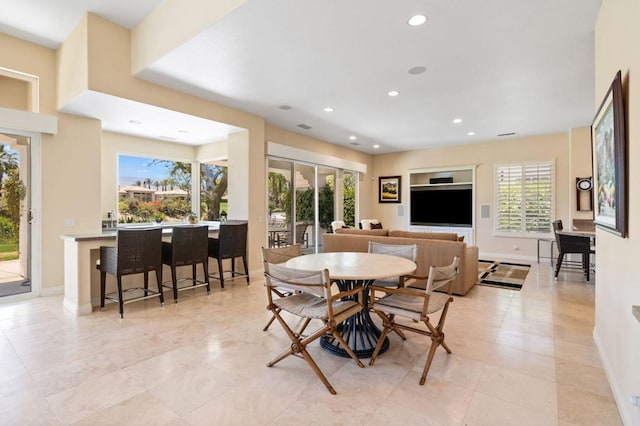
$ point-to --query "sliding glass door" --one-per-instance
(303, 200)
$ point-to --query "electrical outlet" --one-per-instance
(69, 223)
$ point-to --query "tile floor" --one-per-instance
(520, 358)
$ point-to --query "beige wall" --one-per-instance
(485, 156)
(617, 332)
(580, 145)
(14, 93)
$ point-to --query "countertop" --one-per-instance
(110, 234)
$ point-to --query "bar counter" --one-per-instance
(81, 251)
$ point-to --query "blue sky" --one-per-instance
(132, 169)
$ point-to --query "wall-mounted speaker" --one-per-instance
(485, 211)
(400, 210)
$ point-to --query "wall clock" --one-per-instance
(584, 184)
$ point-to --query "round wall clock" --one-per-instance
(584, 184)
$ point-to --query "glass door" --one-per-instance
(304, 228)
(280, 209)
(15, 232)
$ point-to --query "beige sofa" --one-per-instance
(434, 249)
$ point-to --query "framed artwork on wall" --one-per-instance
(609, 153)
(389, 190)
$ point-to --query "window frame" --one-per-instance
(523, 233)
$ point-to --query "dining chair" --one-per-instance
(189, 246)
(279, 255)
(231, 243)
(137, 251)
(407, 251)
(313, 298)
(573, 244)
(417, 305)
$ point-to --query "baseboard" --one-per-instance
(618, 396)
(52, 291)
(493, 256)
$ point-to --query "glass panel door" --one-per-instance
(349, 181)
(304, 228)
(326, 201)
(15, 235)
(279, 193)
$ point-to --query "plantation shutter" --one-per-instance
(524, 198)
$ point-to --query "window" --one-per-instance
(152, 189)
(213, 191)
(524, 199)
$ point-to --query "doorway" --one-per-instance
(15, 215)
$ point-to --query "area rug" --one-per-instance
(506, 275)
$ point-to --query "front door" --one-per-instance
(15, 232)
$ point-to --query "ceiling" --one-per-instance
(501, 66)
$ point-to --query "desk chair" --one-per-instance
(137, 251)
(573, 244)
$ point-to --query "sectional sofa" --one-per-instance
(434, 249)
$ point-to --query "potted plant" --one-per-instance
(159, 217)
(192, 218)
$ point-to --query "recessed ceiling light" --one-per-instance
(471, 133)
(352, 138)
(184, 132)
(328, 109)
(135, 121)
(457, 120)
(417, 20)
(169, 138)
(393, 93)
(417, 70)
(376, 146)
(285, 107)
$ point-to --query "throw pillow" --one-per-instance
(376, 226)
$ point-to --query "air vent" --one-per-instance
(354, 143)
(304, 126)
(168, 138)
(285, 107)
(507, 134)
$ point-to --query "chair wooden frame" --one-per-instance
(188, 246)
(279, 255)
(313, 299)
(415, 304)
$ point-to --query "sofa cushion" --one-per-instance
(449, 236)
(376, 232)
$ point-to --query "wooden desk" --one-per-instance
(351, 269)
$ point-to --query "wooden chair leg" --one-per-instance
(120, 301)
(246, 268)
(159, 281)
(427, 365)
(205, 269)
(103, 283)
(221, 274)
(559, 263)
(174, 282)
(193, 274)
(376, 351)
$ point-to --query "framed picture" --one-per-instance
(609, 151)
(389, 190)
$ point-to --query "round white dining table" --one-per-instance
(349, 270)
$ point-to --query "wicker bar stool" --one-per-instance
(188, 246)
(230, 244)
(137, 251)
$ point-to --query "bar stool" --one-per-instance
(230, 244)
(188, 246)
(137, 251)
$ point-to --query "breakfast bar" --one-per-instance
(81, 251)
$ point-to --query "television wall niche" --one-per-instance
(442, 206)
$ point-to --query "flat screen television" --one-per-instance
(441, 206)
